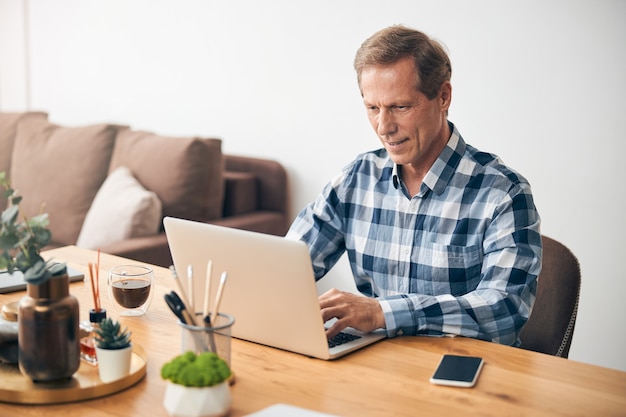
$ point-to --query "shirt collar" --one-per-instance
(441, 172)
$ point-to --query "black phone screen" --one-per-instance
(460, 371)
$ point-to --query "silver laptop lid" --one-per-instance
(16, 282)
(271, 288)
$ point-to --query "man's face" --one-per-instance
(411, 127)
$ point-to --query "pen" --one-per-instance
(175, 304)
(175, 307)
(187, 318)
(180, 288)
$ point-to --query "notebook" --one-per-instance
(15, 281)
(287, 410)
(270, 288)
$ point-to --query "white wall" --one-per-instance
(540, 82)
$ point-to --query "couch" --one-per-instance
(108, 187)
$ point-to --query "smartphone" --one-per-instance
(457, 371)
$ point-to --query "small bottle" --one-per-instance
(88, 333)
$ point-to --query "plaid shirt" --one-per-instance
(459, 258)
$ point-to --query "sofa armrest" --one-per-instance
(271, 179)
(240, 193)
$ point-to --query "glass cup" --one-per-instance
(215, 338)
(130, 289)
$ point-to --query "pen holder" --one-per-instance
(214, 338)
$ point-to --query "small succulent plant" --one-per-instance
(110, 335)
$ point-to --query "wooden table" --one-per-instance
(390, 378)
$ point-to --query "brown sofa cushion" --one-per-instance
(8, 129)
(184, 172)
(63, 168)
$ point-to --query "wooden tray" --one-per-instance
(85, 384)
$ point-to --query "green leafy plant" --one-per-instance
(110, 335)
(21, 240)
(196, 370)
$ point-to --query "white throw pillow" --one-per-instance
(121, 209)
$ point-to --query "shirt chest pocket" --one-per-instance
(447, 269)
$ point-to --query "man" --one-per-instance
(442, 239)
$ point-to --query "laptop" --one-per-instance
(16, 282)
(270, 289)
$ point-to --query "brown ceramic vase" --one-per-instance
(48, 331)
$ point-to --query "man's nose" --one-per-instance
(386, 123)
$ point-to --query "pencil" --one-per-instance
(190, 289)
(207, 288)
(205, 312)
(218, 297)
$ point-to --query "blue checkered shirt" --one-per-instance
(461, 257)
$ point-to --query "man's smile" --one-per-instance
(396, 142)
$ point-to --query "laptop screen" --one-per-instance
(15, 281)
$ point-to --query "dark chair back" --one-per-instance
(551, 324)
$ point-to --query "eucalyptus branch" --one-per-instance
(21, 240)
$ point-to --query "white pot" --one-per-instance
(181, 401)
(113, 364)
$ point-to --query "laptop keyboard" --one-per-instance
(341, 338)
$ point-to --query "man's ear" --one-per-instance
(445, 95)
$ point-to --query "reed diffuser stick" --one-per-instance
(98, 307)
(93, 286)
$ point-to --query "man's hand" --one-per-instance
(361, 313)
